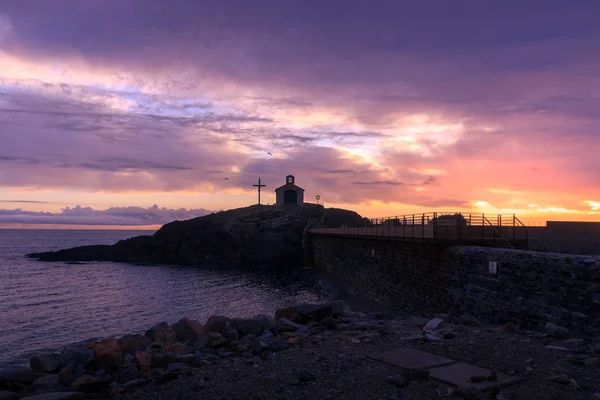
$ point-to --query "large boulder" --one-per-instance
(18, 374)
(128, 374)
(107, 353)
(557, 331)
(251, 326)
(45, 363)
(48, 381)
(144, 359)
(43, 384)
(312, 312)
(161, 360)
(187, 330)
(288, 313)
(216, 323)
(206, 339)
(69, 373)
(151, 333)
(284, 325)
(90, 384)
(134, 343)
(166, 337)
(76, 354)
(434, 325)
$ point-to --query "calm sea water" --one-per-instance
(46, 305)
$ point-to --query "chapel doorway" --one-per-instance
(290, 197)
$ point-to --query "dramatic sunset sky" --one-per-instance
(133, 112)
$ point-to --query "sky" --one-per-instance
(133, 113)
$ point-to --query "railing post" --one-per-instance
(482, 226)
(435, 221)
(514, 228)
(413, 227)
(500, 224)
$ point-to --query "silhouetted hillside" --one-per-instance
(251, 236)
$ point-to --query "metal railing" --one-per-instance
(504, 228)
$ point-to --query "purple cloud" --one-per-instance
(150, 96)
(118, 216)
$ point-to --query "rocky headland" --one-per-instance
(309, 351)
(255, 236)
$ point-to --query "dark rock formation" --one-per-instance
(188, 330)
(305, 313)
(45, 363)
(253, 236)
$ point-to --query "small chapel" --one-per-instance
(289, 193)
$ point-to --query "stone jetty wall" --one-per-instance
(579, 238)
(528, 288)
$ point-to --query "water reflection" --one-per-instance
(48, 305)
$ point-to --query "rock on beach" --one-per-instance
(327, 357)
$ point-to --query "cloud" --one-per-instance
(422, 104)
(432, 180)
(379, 183)
(24, 201)
(114, 216)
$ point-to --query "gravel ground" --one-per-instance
(334, 364)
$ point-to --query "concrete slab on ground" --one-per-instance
(460, 375)
(411, 358)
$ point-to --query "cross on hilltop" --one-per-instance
(259, 186)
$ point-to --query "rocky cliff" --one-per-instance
(256, 236)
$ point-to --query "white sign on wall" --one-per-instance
(493, 267)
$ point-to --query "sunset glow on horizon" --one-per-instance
(132, 114)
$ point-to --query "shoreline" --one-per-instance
(102, 363)
(66, 322)
(325, 289)
(309, 351)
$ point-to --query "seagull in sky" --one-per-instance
(226, 178)
(269, 153)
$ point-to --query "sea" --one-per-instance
(47, 305)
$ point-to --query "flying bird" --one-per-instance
(226, 178)
(269, 153)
